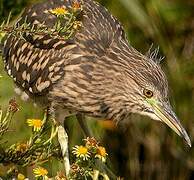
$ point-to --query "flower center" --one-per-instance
(82, 150)
(59, 11)
(37, 123)
(43, 172)
(101, 151)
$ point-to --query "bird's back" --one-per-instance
(36, 61)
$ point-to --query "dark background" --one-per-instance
(144, 149)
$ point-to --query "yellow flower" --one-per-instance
(76, 5)
(82, 152)
(13, 106)
(75, 168)
(40, 171)
(77, 25)
(20, 177)
(59, 11)
(101, 153)
(60, 176)
(35, 123)
(91, 142)
(21, 147)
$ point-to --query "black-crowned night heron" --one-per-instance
(94, 72)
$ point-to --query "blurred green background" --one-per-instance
(141, 148)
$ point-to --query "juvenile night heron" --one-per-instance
(95, 71)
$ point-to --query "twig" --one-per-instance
(96, 175)
(63, 141)
(105, 177)
(84, 126)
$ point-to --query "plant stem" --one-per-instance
(96, 174)
(63, 141)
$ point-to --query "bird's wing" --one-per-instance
(36, 60)
(34, 69)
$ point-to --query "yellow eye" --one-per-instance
(148, 93)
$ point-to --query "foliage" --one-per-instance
(59, 30)
(38, 148)
(41, 147)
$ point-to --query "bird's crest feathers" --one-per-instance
(154, 54)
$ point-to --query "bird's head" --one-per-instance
(148, 94)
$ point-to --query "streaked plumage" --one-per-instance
(95, 72)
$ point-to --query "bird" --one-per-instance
(90, 69)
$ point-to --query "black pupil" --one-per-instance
(148, 93)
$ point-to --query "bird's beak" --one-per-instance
(166, 115)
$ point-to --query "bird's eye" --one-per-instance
(148, 93)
